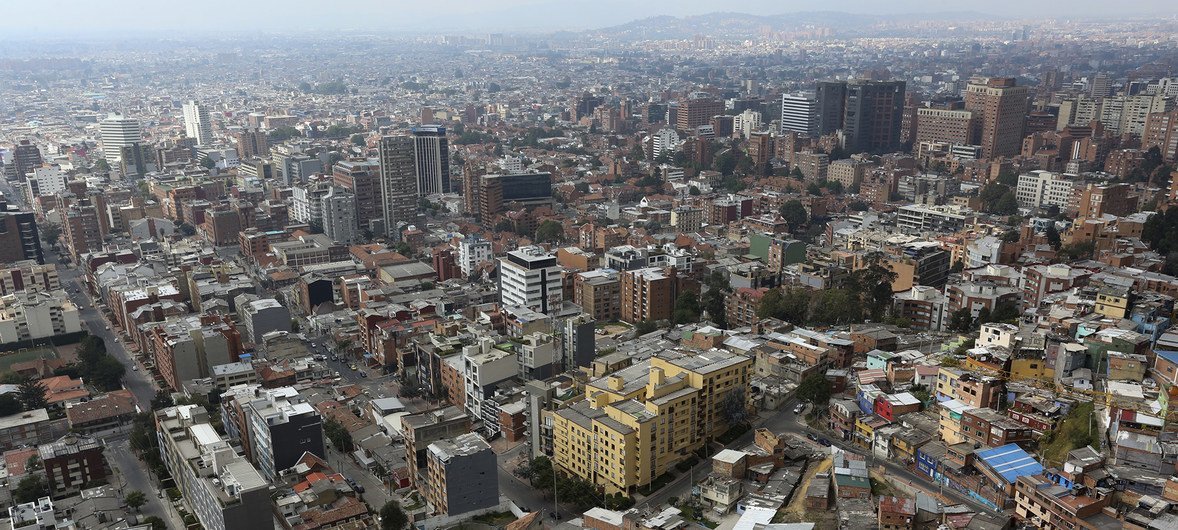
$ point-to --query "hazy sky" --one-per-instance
(71, 16)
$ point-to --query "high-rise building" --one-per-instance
(432, 156)
(118, 132)
(531, 278)
(251, 142)
(697, 110)
(872, 117)
(19, 238)
(648, 294)
(197, 123)
(282, 427)
(832, 98)
(339, 215)
(1001, 108)
(362, 178)
(799, 113)
(1100, 86)
(24, 159)
(398, 182)
(1161, 130)
(1044, 188)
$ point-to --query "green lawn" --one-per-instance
(1077, 430)
(7, 359)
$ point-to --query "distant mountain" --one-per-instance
(731, 25)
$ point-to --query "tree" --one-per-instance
(135, 499)
(107, 375)
(1006, 205)
(1005, 311)
(208, 163)
(102, 166)
(835, 306)
(1007, 177)
(392, 517)
(712, 300)
(1151, 160)
(359, 141)
(339, 436)
(32, 394)
(1052, 236)
(961, 320)
(693, 191)
(734, 407)
(31, 488)
(794, 213)
(645, 327)
(857, 206)
(815, 389)
(549, 231)
(796, 173)
(278, 135)
(186, 229)
(9, 405)
(687, 308)
(50, 232)
(162, 400)
(156, 523)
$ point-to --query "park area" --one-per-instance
(10, 358)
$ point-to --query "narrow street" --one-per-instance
(132, 475)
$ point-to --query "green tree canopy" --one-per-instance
(549, 231)
(687, 308)
(794, 213)
(814, 389)
(32, 394)
(135, 499)
(30, 488)
(392, 516)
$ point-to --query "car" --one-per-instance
(353, 367)
(358, 487)
(813, 437)
(363, 374)
(134, 368)
(799, 408)
(824, 442)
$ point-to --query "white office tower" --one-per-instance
(197, 123)
(118, 132)
(799, 113)
(530, 277)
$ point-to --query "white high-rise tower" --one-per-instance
(197, 123)
(118, 132)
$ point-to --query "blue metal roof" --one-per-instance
(1010, 461)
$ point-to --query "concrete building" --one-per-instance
(531, 278)
(24, 159)
(28, 275)
(432, 159)
(19, 237)
(799, 113)
(260, 317)
(648, 294)
(831, 97)
(282, 426)
(251, 143)
(639, 421)
(362, 179)
(956, 127)
(696, 110)
(462, 475)
(424, 428)
(1040, 189)
(188, 347)
(1001, 110)
(45, 182)
(33, 315)
(117, 132)
(219, 487)
(814, 166)
(72, 463)
(398, 181)
(197, 123)
(472, 251)
(873, 115)
(599, 293)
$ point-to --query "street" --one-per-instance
(135, 478)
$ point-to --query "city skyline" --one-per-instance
(501, 15)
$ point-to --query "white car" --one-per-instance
(134, 368)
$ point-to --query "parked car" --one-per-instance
(824, 442)
(813, 437)
(134, 367)
(353, 366)
(799, 408)
(363, 374)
